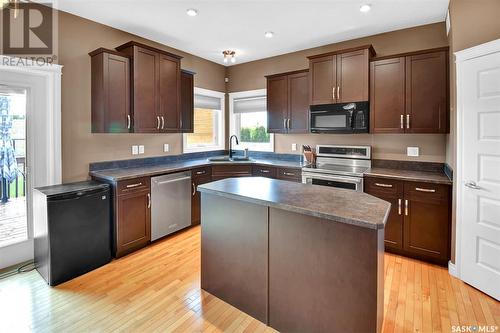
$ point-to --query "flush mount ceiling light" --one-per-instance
(365, 8)
(229, 55)
(192, 12)
(269, 34)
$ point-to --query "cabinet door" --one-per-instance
(133, 221)
(426, 93)
(392, 191)
(387, 95)
(292, 174)
(277, 92)
(352, 76)
(196, 199)
(145, 90)
(169, 92)
(263, 171)
(187, 102)
(298, 103)
(323, 80)
(427, 220)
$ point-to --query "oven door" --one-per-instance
(346, 182)
(323, 121)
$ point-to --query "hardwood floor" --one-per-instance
(158, 289)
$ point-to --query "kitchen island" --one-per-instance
(300, 258)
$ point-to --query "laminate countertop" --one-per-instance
(120, 174)
(410, 175)
(340, 205)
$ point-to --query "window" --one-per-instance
(208, 122)
(248, 120)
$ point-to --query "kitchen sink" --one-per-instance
(228, 159)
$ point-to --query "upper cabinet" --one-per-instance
(288, 102)
(110, 89)
(139, 89)
(409, 93)
(340, 76)
(187, 101)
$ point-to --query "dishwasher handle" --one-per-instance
(172, 180)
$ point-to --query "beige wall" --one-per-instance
(473, 22)
(77, 37)
(250, 76)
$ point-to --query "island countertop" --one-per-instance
(340, 205)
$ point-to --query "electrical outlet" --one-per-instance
(166, 148)
(294, 147)
(135, 150)
(412, 151)
(141, 149)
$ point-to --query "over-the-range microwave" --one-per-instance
(340, 118)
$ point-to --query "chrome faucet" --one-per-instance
(231, 144)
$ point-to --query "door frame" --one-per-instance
(43, 134)
(458, 182)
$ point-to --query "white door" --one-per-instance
(479, 180)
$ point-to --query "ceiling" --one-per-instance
(240, 25)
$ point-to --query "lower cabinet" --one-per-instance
(228, 171)
(419, 222)
(264, 171)
(291, 174)
(132, 216)
(198, 177)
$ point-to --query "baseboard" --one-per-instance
(452, 269)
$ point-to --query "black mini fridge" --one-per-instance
(71, 229)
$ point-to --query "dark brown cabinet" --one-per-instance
(340, 76)
(288, 102)
(228, 171)
(110, 91)
(419, 222)
(264, 171)
(292, 174)
(132, 216)
(409, 93)
(187, 101)
(169, 92)
(198, 176)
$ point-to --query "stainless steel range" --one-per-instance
(338, 166)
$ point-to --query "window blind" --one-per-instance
(207, 102)
(251, 104)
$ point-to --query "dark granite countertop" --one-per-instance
(340, 205)
(410, 175)
(158, 169)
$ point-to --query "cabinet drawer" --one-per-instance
(384, 187)
(133, 185)
(201, 172)
(427, 192)
(290, 174)
(231, 170)
(264, 171)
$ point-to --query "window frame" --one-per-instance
(232, 116)
(222, 123)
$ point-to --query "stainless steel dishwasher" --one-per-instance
(170, 203)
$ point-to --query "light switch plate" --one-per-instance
(412, 151)
(294, 147)
(135, 150)
(166, 148)
(141, 149)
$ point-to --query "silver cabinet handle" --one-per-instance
(288, 174)
(407, 121)
(264, 171)
(399, 206)
(194, 189)
(134, 185)
(406, 207)
(338, 92)
(288, 123)
(383, 185)
(472, 185)
(200, 172)
(149, 200)
(157, 122)
(402, 122)
(162, 122)
(284, 123)
(129, 122)
(428, 190)
(333, 92)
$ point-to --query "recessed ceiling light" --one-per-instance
(365, 8)
(192, 12)
(269, 34)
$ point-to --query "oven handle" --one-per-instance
(342, 179)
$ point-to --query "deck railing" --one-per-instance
(17, 188)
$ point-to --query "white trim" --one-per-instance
(247, 94)
(462, 56)
(43, 146)
(452, 269)
(222, 123)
